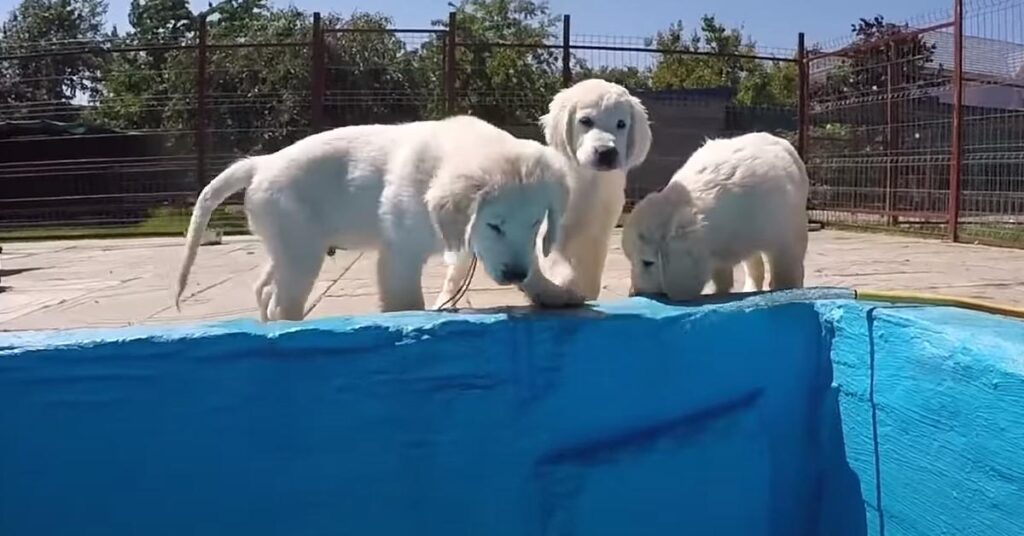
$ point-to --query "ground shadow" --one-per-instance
(16, 271)
(585, 311)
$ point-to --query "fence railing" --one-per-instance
(160, 119)
(906, 128)
(922, 129)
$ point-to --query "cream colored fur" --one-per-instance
(733, 201)
(584, 120)
(459, 185)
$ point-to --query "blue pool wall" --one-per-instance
(799, 413)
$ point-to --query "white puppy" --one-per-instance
(733, 200)
(410, 190)
(604, 132)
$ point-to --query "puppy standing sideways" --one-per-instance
(733, 200)
(458, 185)
(603, 132)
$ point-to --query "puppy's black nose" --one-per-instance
(513, 275)
(607, 157)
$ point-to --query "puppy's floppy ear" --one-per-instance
(638, 144)
(686, 224)
(559, 199)
(558, 126)
(452, 211)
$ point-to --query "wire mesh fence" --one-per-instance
(118, 135)
(992, 192)
(71, 157)
(122, 141)
(919, 128)
(753, 91)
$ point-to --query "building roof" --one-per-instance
(989, 58)
(982, 56)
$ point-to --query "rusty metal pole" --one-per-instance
(317, 75)
(956, 141)
(449, 65)
(803, 120)
(890, 119)
(201, 111)
(566, 52)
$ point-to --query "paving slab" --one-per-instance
(122, 282)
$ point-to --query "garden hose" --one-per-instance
(936, 299)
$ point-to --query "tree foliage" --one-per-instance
(506, 85)
(882, 60)
(712, 57)
(632, 77)
(50, 83)
(882, 55)
(258, 97)
(142, 88)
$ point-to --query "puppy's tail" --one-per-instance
(236, 177)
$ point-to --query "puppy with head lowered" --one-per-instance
(460, 186)
(733, 201)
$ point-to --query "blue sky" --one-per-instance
(771, 23)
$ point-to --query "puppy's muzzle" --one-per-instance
(608, 157)
(513, 274)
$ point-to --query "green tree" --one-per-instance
(883, 59)
(373, 75)
(160, 20)
(258, 95)
(632, 78)
(711, 57)
(508, 86)
(881, 54)
(41, 86)
(139, 87)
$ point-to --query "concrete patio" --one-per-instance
(120, 282)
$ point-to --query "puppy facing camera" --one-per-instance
(603, 132)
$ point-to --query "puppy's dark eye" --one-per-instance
(648, 264)
(621, 124)
(494, 227)
(587, 122)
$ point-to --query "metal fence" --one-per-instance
(921, 128)
(916, 128)
(151, 122)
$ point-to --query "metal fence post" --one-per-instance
(317, 75)
(449, 65)
(201, 111)
(890, 136)
(957, 127)
(803, 120)
(566, 52)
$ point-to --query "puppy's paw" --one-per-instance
(556, 297)
(441, 304)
